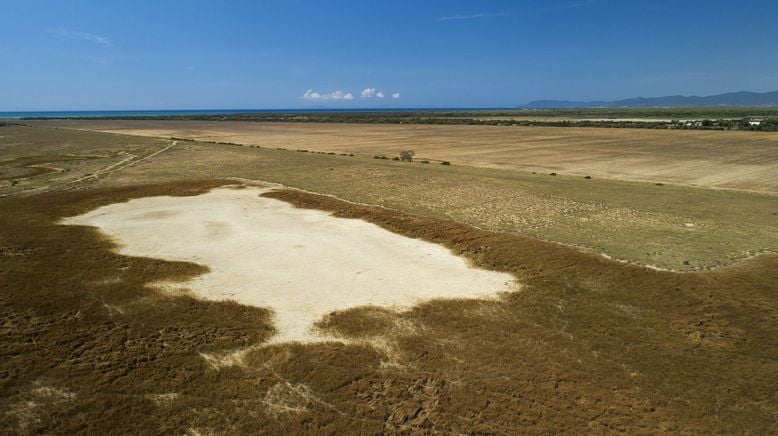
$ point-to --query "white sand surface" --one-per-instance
(300, 263)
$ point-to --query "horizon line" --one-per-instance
(265, 109)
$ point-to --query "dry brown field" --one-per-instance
(720, 159)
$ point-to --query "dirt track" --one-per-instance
(739, 160)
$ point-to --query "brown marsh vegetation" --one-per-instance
(588, 345)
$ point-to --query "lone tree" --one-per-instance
(407, 155)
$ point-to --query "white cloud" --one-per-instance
(368, 92)
(571, 5)
(83, 36)
(335, 95)
(345, 95)
(311, 95)
(372, 92)
(474, 16)
(396, 95)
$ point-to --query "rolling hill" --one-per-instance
(731, 99)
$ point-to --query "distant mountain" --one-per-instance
(732, 99)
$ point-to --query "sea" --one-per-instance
(151, 113)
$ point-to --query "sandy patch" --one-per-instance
(302, 264)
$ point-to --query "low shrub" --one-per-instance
(407, 155)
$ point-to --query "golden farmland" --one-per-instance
(740, 160)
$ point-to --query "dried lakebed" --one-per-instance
(302, 264)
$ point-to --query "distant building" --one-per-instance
(754, 123)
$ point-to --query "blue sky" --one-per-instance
(164, 54)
